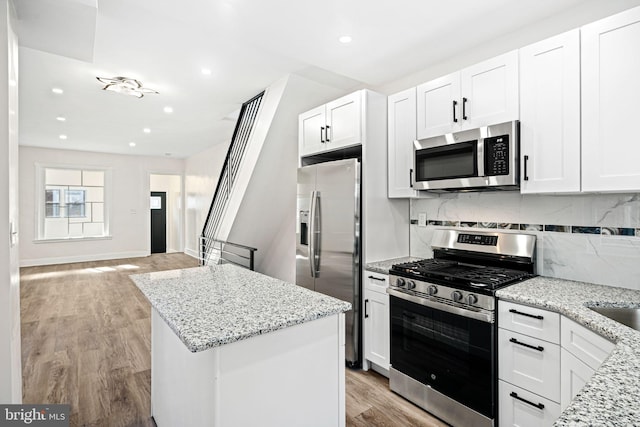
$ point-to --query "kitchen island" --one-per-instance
(232, 347)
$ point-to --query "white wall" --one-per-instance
(201, 176)
(172, 185)
(129, 208)
(10, 357)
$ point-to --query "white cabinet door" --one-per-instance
(343, 121)
(611, 103)
(311, 131)
(437, 106)
(550, 115)
(518, 407)
(376, 319)
(529, 363)
(586, 345)
(401, 110)
(490, 92)
(574, 375)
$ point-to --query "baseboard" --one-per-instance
(192, 253)
(82, 258)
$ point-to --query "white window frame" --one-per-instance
(40, 210)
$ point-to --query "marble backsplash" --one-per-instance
(592, 238)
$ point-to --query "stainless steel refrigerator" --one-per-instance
(328, 239)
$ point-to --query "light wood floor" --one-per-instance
(86, 342)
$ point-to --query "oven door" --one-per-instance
(448, 352)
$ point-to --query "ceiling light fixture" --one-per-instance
(125, 85)
(61, 119)
(57, 91)
(63, 137)
(345, 39)
(132, 144)
(168, 110)
(206, 71)
(146, 130)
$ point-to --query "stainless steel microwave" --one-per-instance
(485, 158)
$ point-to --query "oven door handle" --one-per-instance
(483, 316)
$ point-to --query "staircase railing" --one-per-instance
(230, 168)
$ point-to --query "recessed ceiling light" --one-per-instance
(167, 154)
(168, 110)
(132, 144)
(63, 136)
(345, 39)
(146, 130)
(57, 91)
(206, 71)
(61, 119)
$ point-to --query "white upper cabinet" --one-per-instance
(401, 112)
(337, 124)
(480, 95)
(437, 106)
(550, 115)
(611, 103)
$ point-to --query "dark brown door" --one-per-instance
(158, 222)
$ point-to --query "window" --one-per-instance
(72, 203)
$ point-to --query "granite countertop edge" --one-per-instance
(383, 266)
(612, 395)
(187, 322)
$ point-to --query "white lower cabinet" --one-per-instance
(519, 407)
(544, 360)
(376, 320)
(575, 375)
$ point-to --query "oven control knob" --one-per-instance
(400, 282)
(411, 284)
(472, 299)
(456, 296)
(432, 290)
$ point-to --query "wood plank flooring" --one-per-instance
(86, 341)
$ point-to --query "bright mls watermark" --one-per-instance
(34, 415)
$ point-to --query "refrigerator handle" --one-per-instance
(317, 229)
(311, 230)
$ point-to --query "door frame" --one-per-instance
(179, 212)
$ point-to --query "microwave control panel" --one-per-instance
(496, 155)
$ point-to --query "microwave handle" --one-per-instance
(480, 157)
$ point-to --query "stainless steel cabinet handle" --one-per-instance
(535, 405)
(322, 134)
(366, 303)
(538, 348)
(526, 175)
(326, 133)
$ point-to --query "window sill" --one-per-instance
(73, 239)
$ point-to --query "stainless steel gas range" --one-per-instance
(443, 322)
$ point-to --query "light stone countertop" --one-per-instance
(383, 267)
(612, 396)
(211, 306)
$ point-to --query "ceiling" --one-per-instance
(246, 46)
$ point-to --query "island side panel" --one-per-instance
(183, 387)
(291, 377)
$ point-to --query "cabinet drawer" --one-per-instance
(586, 345)
(518, 407)
(529, 363)
(376, 282)
(531, 321)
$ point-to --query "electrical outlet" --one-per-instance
(422, 220)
